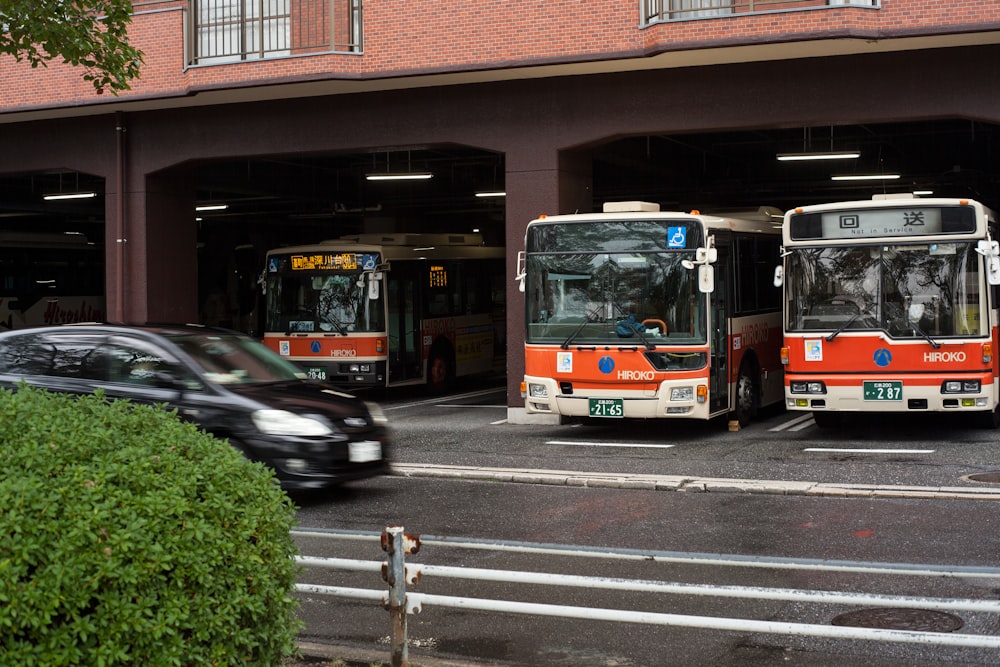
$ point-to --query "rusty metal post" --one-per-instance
(397, 544)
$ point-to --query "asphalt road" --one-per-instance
(797, 508)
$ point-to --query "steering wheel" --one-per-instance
(660, 323)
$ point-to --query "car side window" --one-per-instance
(136, 362)
(25, 355)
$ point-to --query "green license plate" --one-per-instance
(884, 390)
(606, 407)
(316, 373)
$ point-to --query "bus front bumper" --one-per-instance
(670, 399)
(892, 395)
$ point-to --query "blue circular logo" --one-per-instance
(606, 364)
(882, 357)
(315, 346)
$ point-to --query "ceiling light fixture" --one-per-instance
(211, 207)
(866, 177)
(69, 195)
(492, 193)
(401, 176)
(818, 155)
(923, 193)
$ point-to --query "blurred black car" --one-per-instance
(231, 385)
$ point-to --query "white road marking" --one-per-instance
(581, 443)
(797, 424)
(471, 394)
(868, 451)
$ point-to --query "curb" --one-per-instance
(686, 484)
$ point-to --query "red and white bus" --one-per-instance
(890, 306)
(50, 279)
(638, 313)
(381, 310)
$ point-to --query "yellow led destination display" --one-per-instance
(347, 261)
(438, 277)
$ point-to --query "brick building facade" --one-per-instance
(541, 84)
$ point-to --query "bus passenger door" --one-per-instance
(719, 328)
(403, 326)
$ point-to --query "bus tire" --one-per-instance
(440, 368)
(990, 420)
(826, 419)
(746, 395)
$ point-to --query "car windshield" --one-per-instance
(229, 359)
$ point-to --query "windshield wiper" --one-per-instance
(926, 336)
(588, 318)
(854, 318)
(645, 341)
(340, 328)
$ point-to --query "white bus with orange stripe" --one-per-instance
(381, 310)
(891, 306)
(638, 313)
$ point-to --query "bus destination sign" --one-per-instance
(888, 221)
(881, 222)
(346, 261)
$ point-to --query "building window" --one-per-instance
(667, 10)
(658, 10)
(225, 31)
(689, 9)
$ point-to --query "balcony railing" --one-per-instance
(224, 31)
(665, 10)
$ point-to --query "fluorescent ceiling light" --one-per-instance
(69, 195)
(866, 177)
(819, 155)
(923, 192)
(403, 176)
(211, 207)
(492, 193)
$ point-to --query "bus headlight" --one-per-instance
(803, 387)
(961, 387)
(537, 391)
(682, 394)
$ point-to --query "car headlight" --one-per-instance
(375, 410)
(283, 422)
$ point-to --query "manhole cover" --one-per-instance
(988, 477)
(920, 620)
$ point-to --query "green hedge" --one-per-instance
(129, 537)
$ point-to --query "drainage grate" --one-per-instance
(920, 620)
(988, 477)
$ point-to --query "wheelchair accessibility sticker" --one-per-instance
(676, 237)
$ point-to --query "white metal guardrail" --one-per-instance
(401, 602)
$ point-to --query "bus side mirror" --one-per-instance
(706, 278)
(991, 251)
(519, 276)
(779, 276)
(374, 280)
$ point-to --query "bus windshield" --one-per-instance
(306, 301)
(613, 298)
(907, 290)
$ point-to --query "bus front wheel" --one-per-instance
(989, 419)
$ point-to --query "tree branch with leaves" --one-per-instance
(92, 34)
